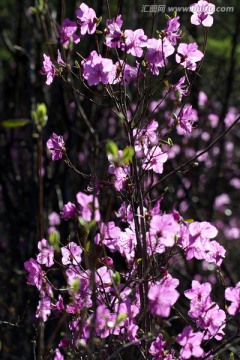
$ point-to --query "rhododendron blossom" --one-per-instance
(233, 294)
(173, 32)
(157, 53)
(86, 206)
(97, 69)
(87, 18)
(154, 160)
(69, 211)
(190, 343)
(71, 254)
(188, 55)
(48, 69)
(134, 41)
(46, 253)
(35, 276)
(113, 32)
(202, 11)
(67, 32)
(163, 295)
(55, 145)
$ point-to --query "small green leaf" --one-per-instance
(189, 220)
(232, 357)
(85, 226)
(120, 318)
(76, 285)
(99, 32)
(139, 260)
(14, 123)
(117, 278)
(99, 20)
(40, 116)
(166, 82)
(127, 155)
(33, 9)
(112, 149)
(121, 117)
(169, 140)
(54, 239)
(88, 246)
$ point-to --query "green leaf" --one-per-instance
(85, 226)
(76, 285)
(139, 260)
(232, 357)
(99, 20)
(127, 155)
(54, 239)
(112, 149)
(121, 117)
(88, 246)
(169, 140)
(117, 278)
(14, 123)
(40, 116)
(189, 220)
(120, 318)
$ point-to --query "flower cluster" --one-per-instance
(107, 300)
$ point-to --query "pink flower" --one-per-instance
(69, 211)
(163, 295)
(215, 252)
(187, 55)
(44, 308)
(163, 229)
(233, 294)
(53, 219)
(109, 235)
(154, 160)
(190, 343)
(46, 253)
(181, 88)
(121, 174)
(87, 19)
(48, 69)
(56, 144)
(97, 69)
(173, 31)
(212, 321)
(113, 32)
(58, 355)
(146, 136)
(71, 254)
(86, 206)
(103, 277)
(126, 73)
(157, 52)
(202, 11)
(67, 32)
(35, 276)
(134, 41)
(60, 60)
(200, 298)
(186, 118)
(157, 348)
